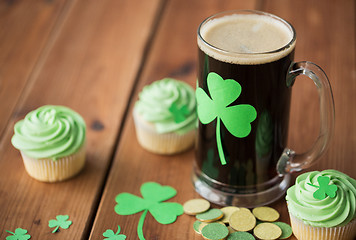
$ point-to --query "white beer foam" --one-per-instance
(246, 39)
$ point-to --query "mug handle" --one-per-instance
(290, 161)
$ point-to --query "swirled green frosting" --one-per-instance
(157, 99)
(49, 132)
(329, 212)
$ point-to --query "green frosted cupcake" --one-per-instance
(165, 116)
(322, 205)
(51, 140)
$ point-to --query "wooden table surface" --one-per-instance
(95, 56)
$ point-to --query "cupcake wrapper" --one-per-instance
(48, 170)
(305, 232)
(162, 143)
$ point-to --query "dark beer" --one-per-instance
(248, 49)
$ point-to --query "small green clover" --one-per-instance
(19, 234)
(110, 235)
(237, 119)
(153, 196)
(61, 221)
(179, 114)
(324, 188)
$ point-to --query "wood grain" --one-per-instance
(26, 30)
(173, 53)
(91, 67)
(96, 56)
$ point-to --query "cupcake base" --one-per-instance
(162, 143)
(306, 232)
(48, 170)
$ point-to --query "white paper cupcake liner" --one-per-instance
(162, 143)
(48, 170)
(306, 232)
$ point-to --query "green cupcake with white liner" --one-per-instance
(165, 116)
(51, 140)
(322, 205)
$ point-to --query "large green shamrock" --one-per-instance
(61, 221)
(324, 188)
(110, 235)
(19, 234)
(237, 119)
(153, 196)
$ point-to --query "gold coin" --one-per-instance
(196, 226)
(266, 214)
(196, 206)
(242, 220)
(203, 224)
(231, 230)
(286, 229)
(227, 211)
(215, 231)
(211, 215)
(267, 231)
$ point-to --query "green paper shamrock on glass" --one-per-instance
(153, 196)
(324, 188)
(61, 221)
(19, 234)
(237, 119)
(110, 235)
(179, 114)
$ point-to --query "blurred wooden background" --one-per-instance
(95, 56)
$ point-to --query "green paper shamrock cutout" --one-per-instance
(61, 221)
(324, 189)
(153, 196)
(19, 234)
(110, 235)
(237, 119)
(179, 114)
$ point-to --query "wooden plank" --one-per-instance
(25, 30)
(91, 68)
(173, 53)
(326, 36)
